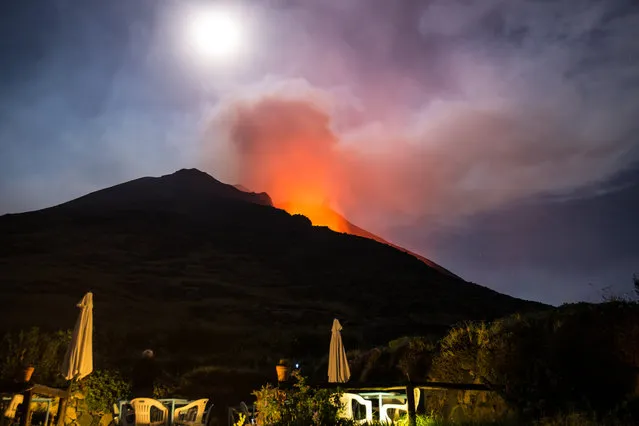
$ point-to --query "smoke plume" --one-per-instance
(516, 105)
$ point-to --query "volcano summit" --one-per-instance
(184, 256)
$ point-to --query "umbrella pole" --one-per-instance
(26, 410)
(62, 406)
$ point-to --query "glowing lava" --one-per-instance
(320, 214)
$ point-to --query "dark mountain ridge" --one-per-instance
(208, 274)
(183, 190)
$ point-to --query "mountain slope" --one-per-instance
(184, 189)
(330, 216)
(199, 271)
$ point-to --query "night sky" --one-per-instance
(496, 137)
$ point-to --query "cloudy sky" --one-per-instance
(496, 137)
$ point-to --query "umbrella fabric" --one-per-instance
(338, 370)
(78, 361)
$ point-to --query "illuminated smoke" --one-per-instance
(444, 162)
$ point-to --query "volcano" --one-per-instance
(329, 216)
(187, 242)
(204, 273)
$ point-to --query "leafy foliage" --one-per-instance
(571, 419)
(580, 357)
(102, 389)
(416, 358)
(300, 406)
(43, 350)
(161, 389)
(460, 358)
(241, 420)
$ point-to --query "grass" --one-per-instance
(571, 419)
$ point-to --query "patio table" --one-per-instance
(379, 395)
(49, 402)
(173, 403)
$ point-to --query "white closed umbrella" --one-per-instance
(78, 361)
(338, 370)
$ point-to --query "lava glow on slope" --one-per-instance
(286, 148)
(319, 214)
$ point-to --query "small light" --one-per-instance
(297, 366)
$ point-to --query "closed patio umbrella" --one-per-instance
(338, 370)
(78, 361)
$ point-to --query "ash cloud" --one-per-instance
(284, 146)
(538, 98)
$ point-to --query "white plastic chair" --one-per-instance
(10, 412)
(149, 412)
(347, 407)
(383, 413)
(190, 414)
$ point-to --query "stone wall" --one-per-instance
(459, 406)
(77, 413)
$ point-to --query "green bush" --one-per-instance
(571, 419)
(578, 358)
(43, 350)
(300, 405)
(102, 389)
(460, 357)
(416, 357)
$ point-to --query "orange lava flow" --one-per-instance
(319, 214)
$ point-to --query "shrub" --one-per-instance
(416, 357)
(300, 405)
(102, 389)
(45, 351)
(579, 358)
(460, 357)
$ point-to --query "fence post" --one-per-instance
(410, 400)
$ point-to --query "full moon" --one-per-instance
(215, 34)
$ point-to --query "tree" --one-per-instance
(40, 349)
